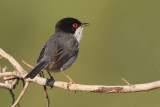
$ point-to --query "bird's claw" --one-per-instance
(50, 82)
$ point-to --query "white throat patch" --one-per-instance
(78, 33)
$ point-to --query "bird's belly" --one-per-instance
(53, 68)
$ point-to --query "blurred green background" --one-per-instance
(121, 41)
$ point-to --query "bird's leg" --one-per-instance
(50, 81)
(45, 90)
(70, 79)
(51, 78)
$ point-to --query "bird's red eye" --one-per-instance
(75, 25)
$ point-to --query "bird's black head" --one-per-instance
(68, 25)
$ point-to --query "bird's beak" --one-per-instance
(84, 24)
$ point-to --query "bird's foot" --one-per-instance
(51, 79)
(50, 82)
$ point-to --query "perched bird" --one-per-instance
(61, 50)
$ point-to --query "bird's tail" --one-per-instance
(36, 70)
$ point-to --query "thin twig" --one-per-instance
(44, 86)
(13, 96)
(7, 86)
(22, 93)
(15, 82)
(8, 74)
(45, 91)
(1, 57)
(15, 64)
(126, 82)
(9, 83)
(30, 66)
(0, 69)
(69, 78)
(47, 97)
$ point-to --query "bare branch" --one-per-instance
(13, 96)
(86, 88)
(30, 66)
(99, 88)
(8, 74)
(126, 82)
(1, 57)
(64, 85)
(3, 85)
(16, 65)
(7, 84)
(21, 95)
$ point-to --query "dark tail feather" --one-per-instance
(36, 70)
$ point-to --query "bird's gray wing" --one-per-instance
(69, 62)
(45, 57)
(66, 51)
(48, 50)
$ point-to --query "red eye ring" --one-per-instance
(75, 25)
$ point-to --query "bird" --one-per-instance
(61, 50)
